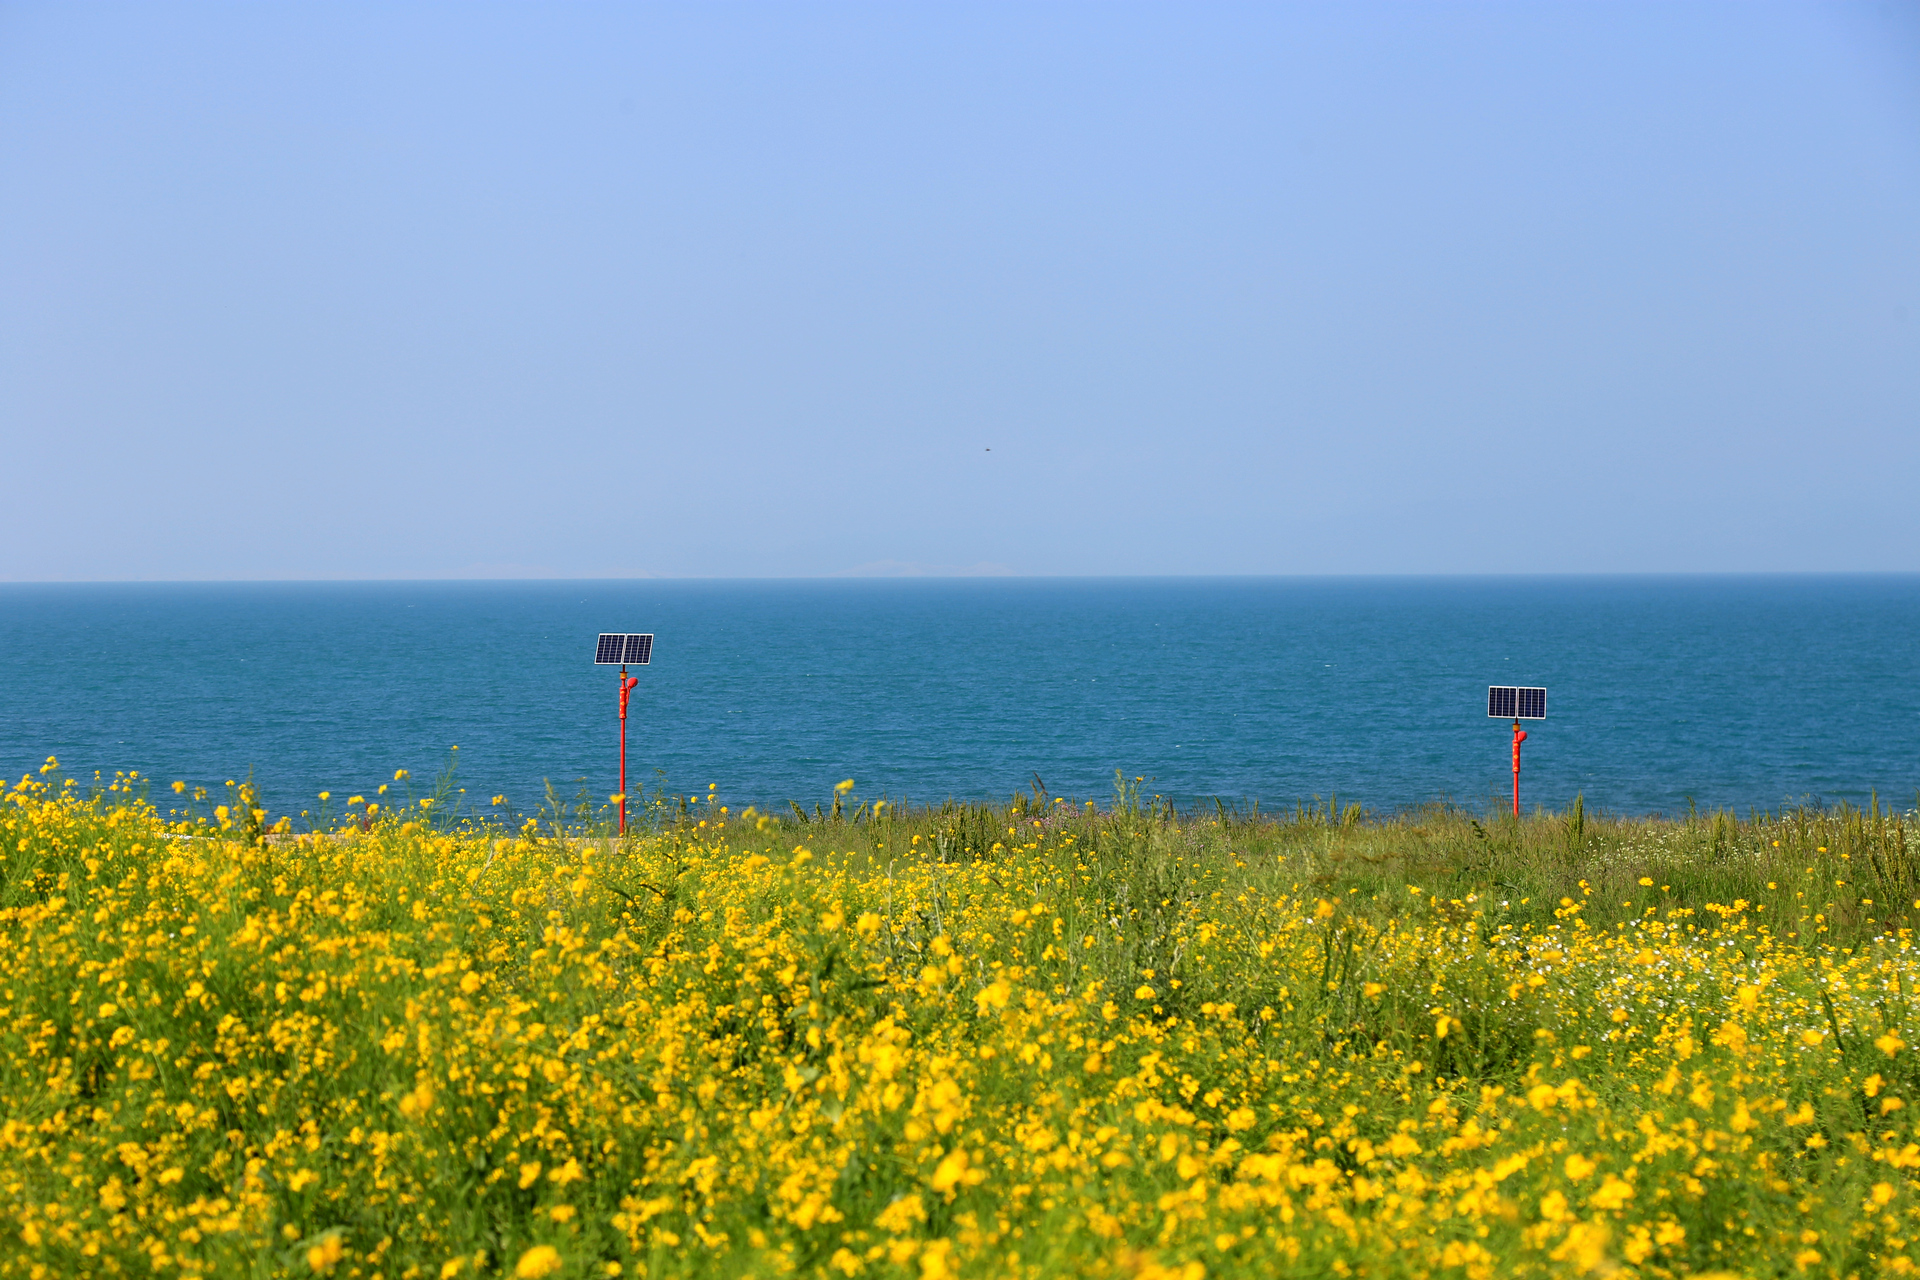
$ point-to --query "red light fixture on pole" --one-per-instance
(1520, 703)
(621, 648)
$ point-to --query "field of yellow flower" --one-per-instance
(1038, 1040)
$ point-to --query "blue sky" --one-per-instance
(354, 291)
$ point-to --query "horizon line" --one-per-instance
(1001, 575)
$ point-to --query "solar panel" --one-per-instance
(1508, 702)
(619, 649)
(1502, 701)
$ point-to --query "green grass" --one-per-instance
(1858, 869)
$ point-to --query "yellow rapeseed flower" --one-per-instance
(537, 1262)
(324, 1255)
(1613, 1194)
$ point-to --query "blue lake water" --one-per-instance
(1735, 692)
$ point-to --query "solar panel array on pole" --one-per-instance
(619, 649)
(623, 649)
(1511, 702)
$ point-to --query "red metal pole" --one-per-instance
(627, 684)
(1519, 736)
(624, 687)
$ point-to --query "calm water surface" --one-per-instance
(1742, 692)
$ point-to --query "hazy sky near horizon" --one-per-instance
(346, 290)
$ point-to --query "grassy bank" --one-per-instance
(1041, 1038)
